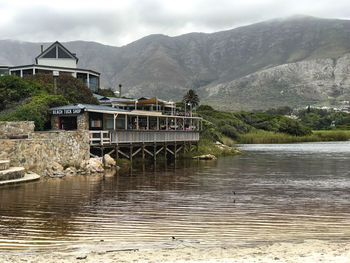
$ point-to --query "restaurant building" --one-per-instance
(120, 129)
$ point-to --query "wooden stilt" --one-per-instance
(143, 151)
(136, 152)
(130, 158)
(117, 152)
(155, 151)
(180, 148)
(147, 151)
(124, 154)
(175, 150)
(110, 152)
(168, 149)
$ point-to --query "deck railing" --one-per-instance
(100, 137)
(122, 136)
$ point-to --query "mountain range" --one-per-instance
(296, 61)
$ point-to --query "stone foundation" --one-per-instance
(15, 128)
(42, 148)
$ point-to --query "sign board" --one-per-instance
(55, 73)
(67, 111)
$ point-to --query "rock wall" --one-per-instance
(14, 128)
(83, 121)
(42, 148)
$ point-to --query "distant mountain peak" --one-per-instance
(166, 67)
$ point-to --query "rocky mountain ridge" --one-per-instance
(224, 67)
(319, 81)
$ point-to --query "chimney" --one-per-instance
(42, 48)
(120, 90)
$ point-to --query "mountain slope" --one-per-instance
(320, 81)
(166, 67)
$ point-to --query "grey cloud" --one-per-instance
(114, 25)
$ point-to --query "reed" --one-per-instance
(333, 135)
(266, 137)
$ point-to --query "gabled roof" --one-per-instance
(42, 54)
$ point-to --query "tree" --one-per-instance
(192, 98)
(72, 89)
(106, 92)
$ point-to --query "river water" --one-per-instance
(271, 193)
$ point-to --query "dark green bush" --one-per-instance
(72, 89)
(14, 89)
(36, 110)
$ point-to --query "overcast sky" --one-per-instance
(119, 22)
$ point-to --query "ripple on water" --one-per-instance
(271, 193)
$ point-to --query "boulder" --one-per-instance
(205, 157)
(94, 165)
(108, 161)
(56, 167)
(70, 171)
(53, 168)
(3, 156)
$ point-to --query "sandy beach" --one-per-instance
(308, 251)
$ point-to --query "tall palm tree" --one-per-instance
(192, 98)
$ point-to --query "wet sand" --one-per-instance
(308, 251)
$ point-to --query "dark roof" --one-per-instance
(88, 107)
(97, 96)
(111, 99)
(54, 44)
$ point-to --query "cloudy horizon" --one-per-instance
(126, 21)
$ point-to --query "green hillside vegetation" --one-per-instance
(247, 127)
(319, 119)
(234, 124)
(30, 99)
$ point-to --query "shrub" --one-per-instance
(14, 89)
(36, 110)
(72, 89)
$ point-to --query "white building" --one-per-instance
(59, 60)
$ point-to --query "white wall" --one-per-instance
(58, 62)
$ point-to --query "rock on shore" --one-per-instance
(205, 157)
(93, 165)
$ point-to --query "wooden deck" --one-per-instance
(128, 143)
(104, 138)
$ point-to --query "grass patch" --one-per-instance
(333, 135)
(228, 141)
(206, 146)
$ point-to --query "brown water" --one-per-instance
(271, 193)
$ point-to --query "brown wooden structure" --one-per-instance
(130, 134)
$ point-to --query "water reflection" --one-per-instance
(271, 193)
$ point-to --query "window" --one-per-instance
(96, 124)
(51, 53)
(120, 123)
(62, 53)
(110, 124)
(96, 121)
(68, 123)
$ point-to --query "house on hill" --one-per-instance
(56, 60)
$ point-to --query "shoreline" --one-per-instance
(307, 251)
